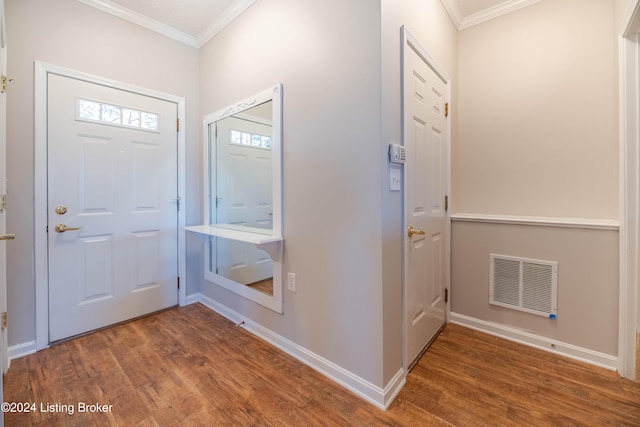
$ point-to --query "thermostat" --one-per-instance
(397, 154)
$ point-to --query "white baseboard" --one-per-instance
(20, 350)
(543, 343)
(373, 394)
(191, 299)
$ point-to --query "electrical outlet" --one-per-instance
(291, 282)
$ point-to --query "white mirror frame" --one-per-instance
(273, 244)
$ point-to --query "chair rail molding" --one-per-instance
(596, 224)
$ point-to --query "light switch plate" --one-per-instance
(291, 282)
(394, 179)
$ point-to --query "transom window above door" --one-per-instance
(94, 111)
(248, 139)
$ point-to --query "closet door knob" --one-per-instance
(411, 231)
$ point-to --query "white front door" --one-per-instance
(425, 141)
(112, 210)
(244, 196)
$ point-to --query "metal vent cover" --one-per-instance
(524, 284)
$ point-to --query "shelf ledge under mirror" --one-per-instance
(266, 242)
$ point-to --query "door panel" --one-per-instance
(95, 278)
(425, 190)
(118, 183)
(244, 200)
(96, 178)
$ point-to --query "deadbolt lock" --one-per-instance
(61, 210)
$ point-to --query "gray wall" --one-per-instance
(538, 137)
(587, 279)
(339, 63)
(327, 56)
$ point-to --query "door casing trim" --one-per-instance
(629, 134)
(41, 72)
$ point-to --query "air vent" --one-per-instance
(524, 284)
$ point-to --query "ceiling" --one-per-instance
(195, 22)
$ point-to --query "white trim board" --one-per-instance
(377, 396)
(462, 22)
(41, 72)
(532, 340)
(20, 350)
(629, 131)
(595, 224)
(231, 13)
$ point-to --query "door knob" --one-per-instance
(61, 228)
(411, 231)
(61, 210)
(7, 236)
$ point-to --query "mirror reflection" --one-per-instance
(242, 194)
(243, 263)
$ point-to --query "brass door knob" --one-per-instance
(7, 236)
(61, 228)
(411, 231)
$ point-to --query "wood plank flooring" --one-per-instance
(190, 367)
(264, 286)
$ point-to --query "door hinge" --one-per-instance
(4, 80)
(177, 125)
(446, 203)
(3, 203)
(446, 109)
(4, 320)
(178, 282)
(446, 295)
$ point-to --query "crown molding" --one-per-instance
(231, 13)
(142, 20)
(494, 12)
(454, 13)
(462, 23)
(631, 23)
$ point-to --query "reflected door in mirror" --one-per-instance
(243, 183)
(244, 194)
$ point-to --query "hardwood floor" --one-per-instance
(191, 367)
(264, 286)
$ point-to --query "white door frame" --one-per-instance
(42, 70)
(629, 55)
(410, 42)
(4, 351)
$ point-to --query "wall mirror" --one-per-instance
(243, 233)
